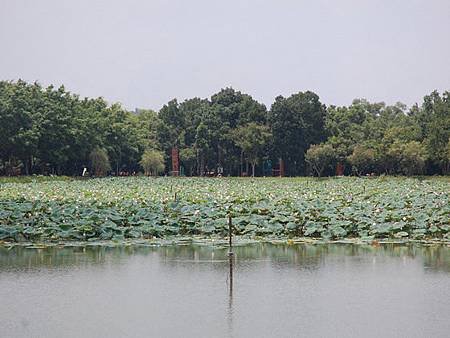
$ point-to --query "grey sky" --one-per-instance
(144, 53)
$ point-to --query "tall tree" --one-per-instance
(99, 161)
(253, 139)
(296, 122)
(152, 162)
(319, 157)
(434, 119)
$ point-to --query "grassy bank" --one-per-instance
(137, 208)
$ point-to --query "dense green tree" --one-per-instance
(233, 109)
(370, 137)
(50, 130)
(121, 139)
(362, 159)
(296, 122)
(152, 162)
(19, 129)
(413, 158)
(188, 157)
(434, 120)
(99, 161)
(172, 124)
(447, 157)
(253, 140)
(145, 123)
(320, 157)
(240, 108)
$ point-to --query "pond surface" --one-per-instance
(332, 290)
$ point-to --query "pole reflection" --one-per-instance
(230, 294)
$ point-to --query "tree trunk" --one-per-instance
(31, 164)
(202, 165)
(198, 163)
(317, 169)
(253, 169)
(242, 162)
(25, 164)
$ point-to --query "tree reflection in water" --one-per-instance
(297, 256)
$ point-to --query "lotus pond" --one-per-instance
(295, 209)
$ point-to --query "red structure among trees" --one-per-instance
(175, 162)
(340, 169)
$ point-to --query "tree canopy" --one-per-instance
(52, 131)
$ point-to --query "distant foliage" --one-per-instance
(413, 158)
(447, 157)
(152, 162)
(99, 161)
(320, 157)
(188, 157)
(297, 122)
(253, 140)
(52, 131)
(362, 159)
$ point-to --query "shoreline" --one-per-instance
(223, 242)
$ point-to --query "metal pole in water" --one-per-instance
(230, 235)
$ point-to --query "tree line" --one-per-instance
(48, 130)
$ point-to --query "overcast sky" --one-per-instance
(143, 53)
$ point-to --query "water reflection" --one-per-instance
(299, 256)
(230, 294)
(193, 290)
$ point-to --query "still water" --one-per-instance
(192, 291)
